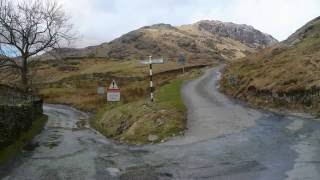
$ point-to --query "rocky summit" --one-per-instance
(240, 32)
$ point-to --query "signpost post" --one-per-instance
(150, 62)
(113, 92)
(182, 61)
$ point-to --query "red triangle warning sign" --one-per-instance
(113, 85)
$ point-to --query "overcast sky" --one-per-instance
(98, 21)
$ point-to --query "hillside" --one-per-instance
(285, 75)
(73, 76)
(205, 40)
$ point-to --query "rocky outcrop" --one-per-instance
(241, 32)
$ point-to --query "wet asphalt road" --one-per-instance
(224, 140)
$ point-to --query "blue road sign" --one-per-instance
(182, 59)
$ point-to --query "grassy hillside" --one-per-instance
(287, 75)
(141, 121)
(205, 41)
(168, 41)
(74, 81)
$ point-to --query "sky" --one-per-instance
(98, 21)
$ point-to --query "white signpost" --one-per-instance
(113, 92)
(150, 62)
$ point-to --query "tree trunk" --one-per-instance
(24, 75)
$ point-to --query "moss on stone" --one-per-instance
(10, 151)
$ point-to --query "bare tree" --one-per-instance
(27, 28)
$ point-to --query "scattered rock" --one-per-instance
(160, 122)
(152, 137)
(113, 171)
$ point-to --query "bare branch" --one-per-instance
(31, 27)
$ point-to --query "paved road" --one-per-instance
(225, 140)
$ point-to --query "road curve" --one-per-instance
(224, 140)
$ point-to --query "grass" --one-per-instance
(78, 88)
(85, 99)
(169, 95)
(134, 122)
(10, 151)
(281, 70)
(54, 71)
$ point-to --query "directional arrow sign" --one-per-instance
(153, 61)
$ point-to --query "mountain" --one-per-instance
(287, 74)
(205, 40)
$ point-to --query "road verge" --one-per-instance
(143, 122)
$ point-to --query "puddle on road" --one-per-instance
(82, 123)
(31, 146)
(295, 125)
(51, 145)
(52, 140)
(140, 172)
(138, 152)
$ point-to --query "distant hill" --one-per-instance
(287, 74)
(202, 40)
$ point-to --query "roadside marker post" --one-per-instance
(150, 62)
(113, 92)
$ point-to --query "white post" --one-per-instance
(151, 82)
(151, 61)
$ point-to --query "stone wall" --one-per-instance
(299, 99)
(15, 119)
